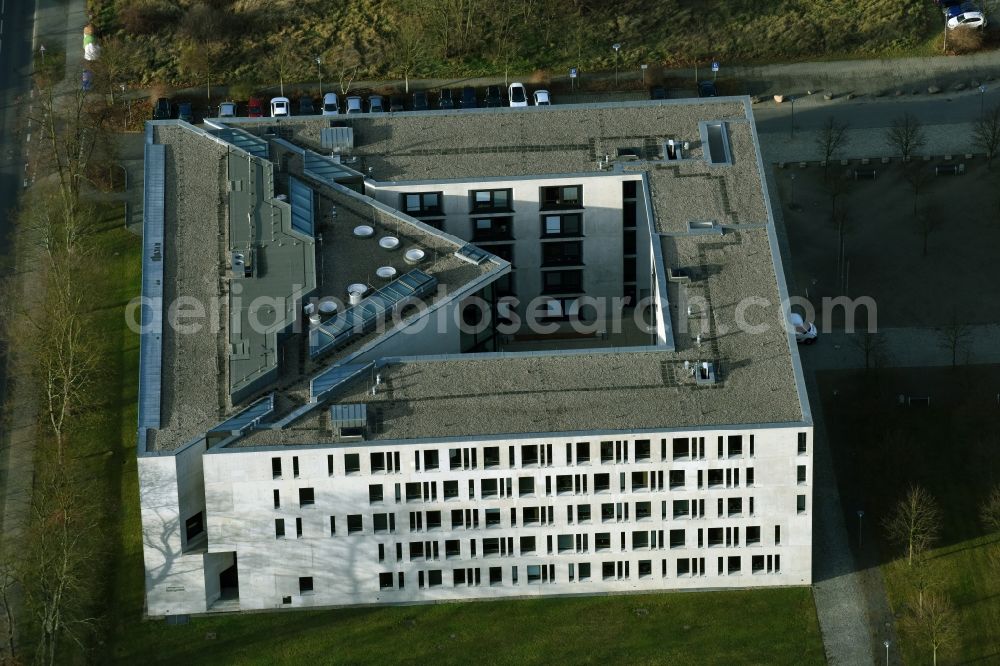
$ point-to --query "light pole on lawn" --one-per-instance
(319, 70)
(982, 94)
(861, 514)
(792, 100)
(617, 47)
(887, 643)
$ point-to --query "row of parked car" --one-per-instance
(446, 98)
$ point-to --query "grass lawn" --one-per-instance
(747, 627)
(744, 627)
(949, 449)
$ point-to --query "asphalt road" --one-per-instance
(867, 112)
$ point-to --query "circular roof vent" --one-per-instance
(414, 255)
(388, 242)
(364, 231)
(328, 306)
(386, 272)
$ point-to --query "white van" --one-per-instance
(805, 331)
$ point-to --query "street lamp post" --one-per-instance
(319, 70)
(617, 47)
(886, 643)
(124, 101)
(791, 204)
(792, 100)
(861, 514)
(982, 94)
(643, 68)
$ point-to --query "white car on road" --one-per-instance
(280, 107)
(517, 95)
(805, 331)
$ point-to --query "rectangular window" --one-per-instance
(307, 496)
(682, 509)
(526, 486)
(277, 498)
(800, 503)
(562, 282)
(380, 522)
(486, 229)
(279, 528)
(354, 524)
(602, 541)
(305, 585)
(677, 538)
(329, 465)
(561, 196)
(295, 466)
(451, 490)
(777, 535)
(734, 506)
(491, 200)
(800, 474)
(602, 483)
(642, 452)
(643, 510)
(645, 568)
(352, 463)
(430, 459)
(757, 564)
(753, 535)
(565, 253)
(422, 203)
(492, 517)
(496, 576)
(562, 226)
(640, 540)
(375, 493)
(735, 446)
(298, 527)
(491, 457)
(434, 578)
(529, 455)
(583, 453)
(733, 565)
(583, 570)
(583, 513)
(749, 476)
(333, 524)
(676, 479)
(681, 448)
(384, 581)
(802, 443)
(276, 468)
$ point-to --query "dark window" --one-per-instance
(491, 457)
(380, 522)
(629, 189)
(628, 241)
(491, 200)
(194, 525)
(434, 578)
(566, 253)
(451, 490)
(562, 282)
(492, 228)
(753, 535)
(430, 459)
(642, 449)
(562, 196)
(582, 512)
(375, 493)
(305, 584)
(295, 466)
(307, 496)
(276, 468)
(645, 568)
(800, 503)
(643, 510)
(554, 226)
(802, 442)
(503, 250)
(496, 575)
(277, 498)
(628, 269)
(352, 463)
(629, 214)
(384, 580)
(422, 203)
(279, 528)
(354, 524)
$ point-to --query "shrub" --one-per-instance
(965, 40)
(145, 17)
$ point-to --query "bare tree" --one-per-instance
(59, 560)
(917, 176)
(280, 62)
(871, 346)
(954, 337)
(991, 510)
(933, 623)
(906, 135)
(198, 61)
(117, 64)
(986, 134)
(410, 47)
(831, 138)
(345, 61)
(914, 522)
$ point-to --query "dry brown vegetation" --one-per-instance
(480, 37)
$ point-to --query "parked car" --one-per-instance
(227, 110)
(964, 15)
(255, 107)
(445, 99)
(805, 331)
(184, 112)
(353, 104)
(657, 92)
(493, 98)
(375, 104)
(306, 107)
(707, 89)
(331, 105)
(542, 98)
(281, 107)
(517, 95)
(469, 97)
(420, 102)
(161, 111)
(397, 103)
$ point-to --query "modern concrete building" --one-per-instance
(450, 355)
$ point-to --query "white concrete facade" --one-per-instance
(644, 552)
